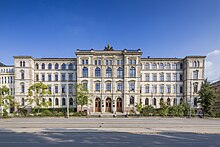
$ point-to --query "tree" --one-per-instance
(207, 98)
(36, 94)
(5, 100)
(82, 95)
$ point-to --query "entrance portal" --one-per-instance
(97, 105)
(119, 105)
(108, 105)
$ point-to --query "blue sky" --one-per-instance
(56, 28)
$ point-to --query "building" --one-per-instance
(216, 87)
(117, 79)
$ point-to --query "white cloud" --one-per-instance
(212, 66)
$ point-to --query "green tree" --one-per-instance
(82, 95)
(5, 100)
(139, 107)
(207, 98)
(36, 96)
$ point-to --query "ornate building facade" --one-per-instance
(116, 79)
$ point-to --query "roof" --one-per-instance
(1, 64)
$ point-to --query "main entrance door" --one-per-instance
(108, 105)
(119, 105)
(97, 105)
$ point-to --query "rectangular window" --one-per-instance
(134, 62)
(22, 88)
(85, 85)
(122, 62)
(195, 74)
(161, 89)
(56, 89)
(147, 90)
(181, 89)
(99, 62)
(49, 87)
(118, 62)
(49, 77)
(147, 77)
(70, 77)
(161, 77)
(174, 77)
(108, 86)
(181, 77)
(63, 77)
(43, 77)
(130, 62)
(168, 89)
(119, 87)
(83, 62)
(110, 62)
(131, 86)
(37, 77)
(174, 88)
(56, 77)
(154, 88)
(168, 77)
(154, 77)
(63, 89)
(96, 62)
(70, 89)
(97, 86)
(87, 61)
(195, 87)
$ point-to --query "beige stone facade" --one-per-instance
(117, 79)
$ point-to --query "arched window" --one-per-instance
(56, 102)
(71, 102)
(120, 72)
(194, 64)
(85, 72)
(56, 66)
(168, 66)
(161, 66)
(63, 66)
(108, 72)
(195, 102)
(49, 66)
(198, 64)
(63, 101)
(147, 66)
(146, 101)
(154, 66)
(43, 66)
(22, 87)
(22, 74)
(132, 72)
(23, 63)
(70, 66)
(22, 102)
(37, 66)
(131, 100)
(155, 101)
(168, 101)
(50, 102)
(174, 66)
(174, 101)
(97, 72)
(20, 63)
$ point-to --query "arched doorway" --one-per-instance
(108, 105)
(97, 105)
(119, 105)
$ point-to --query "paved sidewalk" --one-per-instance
(131, 125)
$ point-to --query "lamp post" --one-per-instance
(67, 96)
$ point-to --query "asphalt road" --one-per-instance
(107, 139)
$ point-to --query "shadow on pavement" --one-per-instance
(94, 138)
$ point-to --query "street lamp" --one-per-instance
(67, 96)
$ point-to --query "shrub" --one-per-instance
(164, 111)
(148, 111)
(173, 111)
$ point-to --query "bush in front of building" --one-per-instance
(148, 111)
